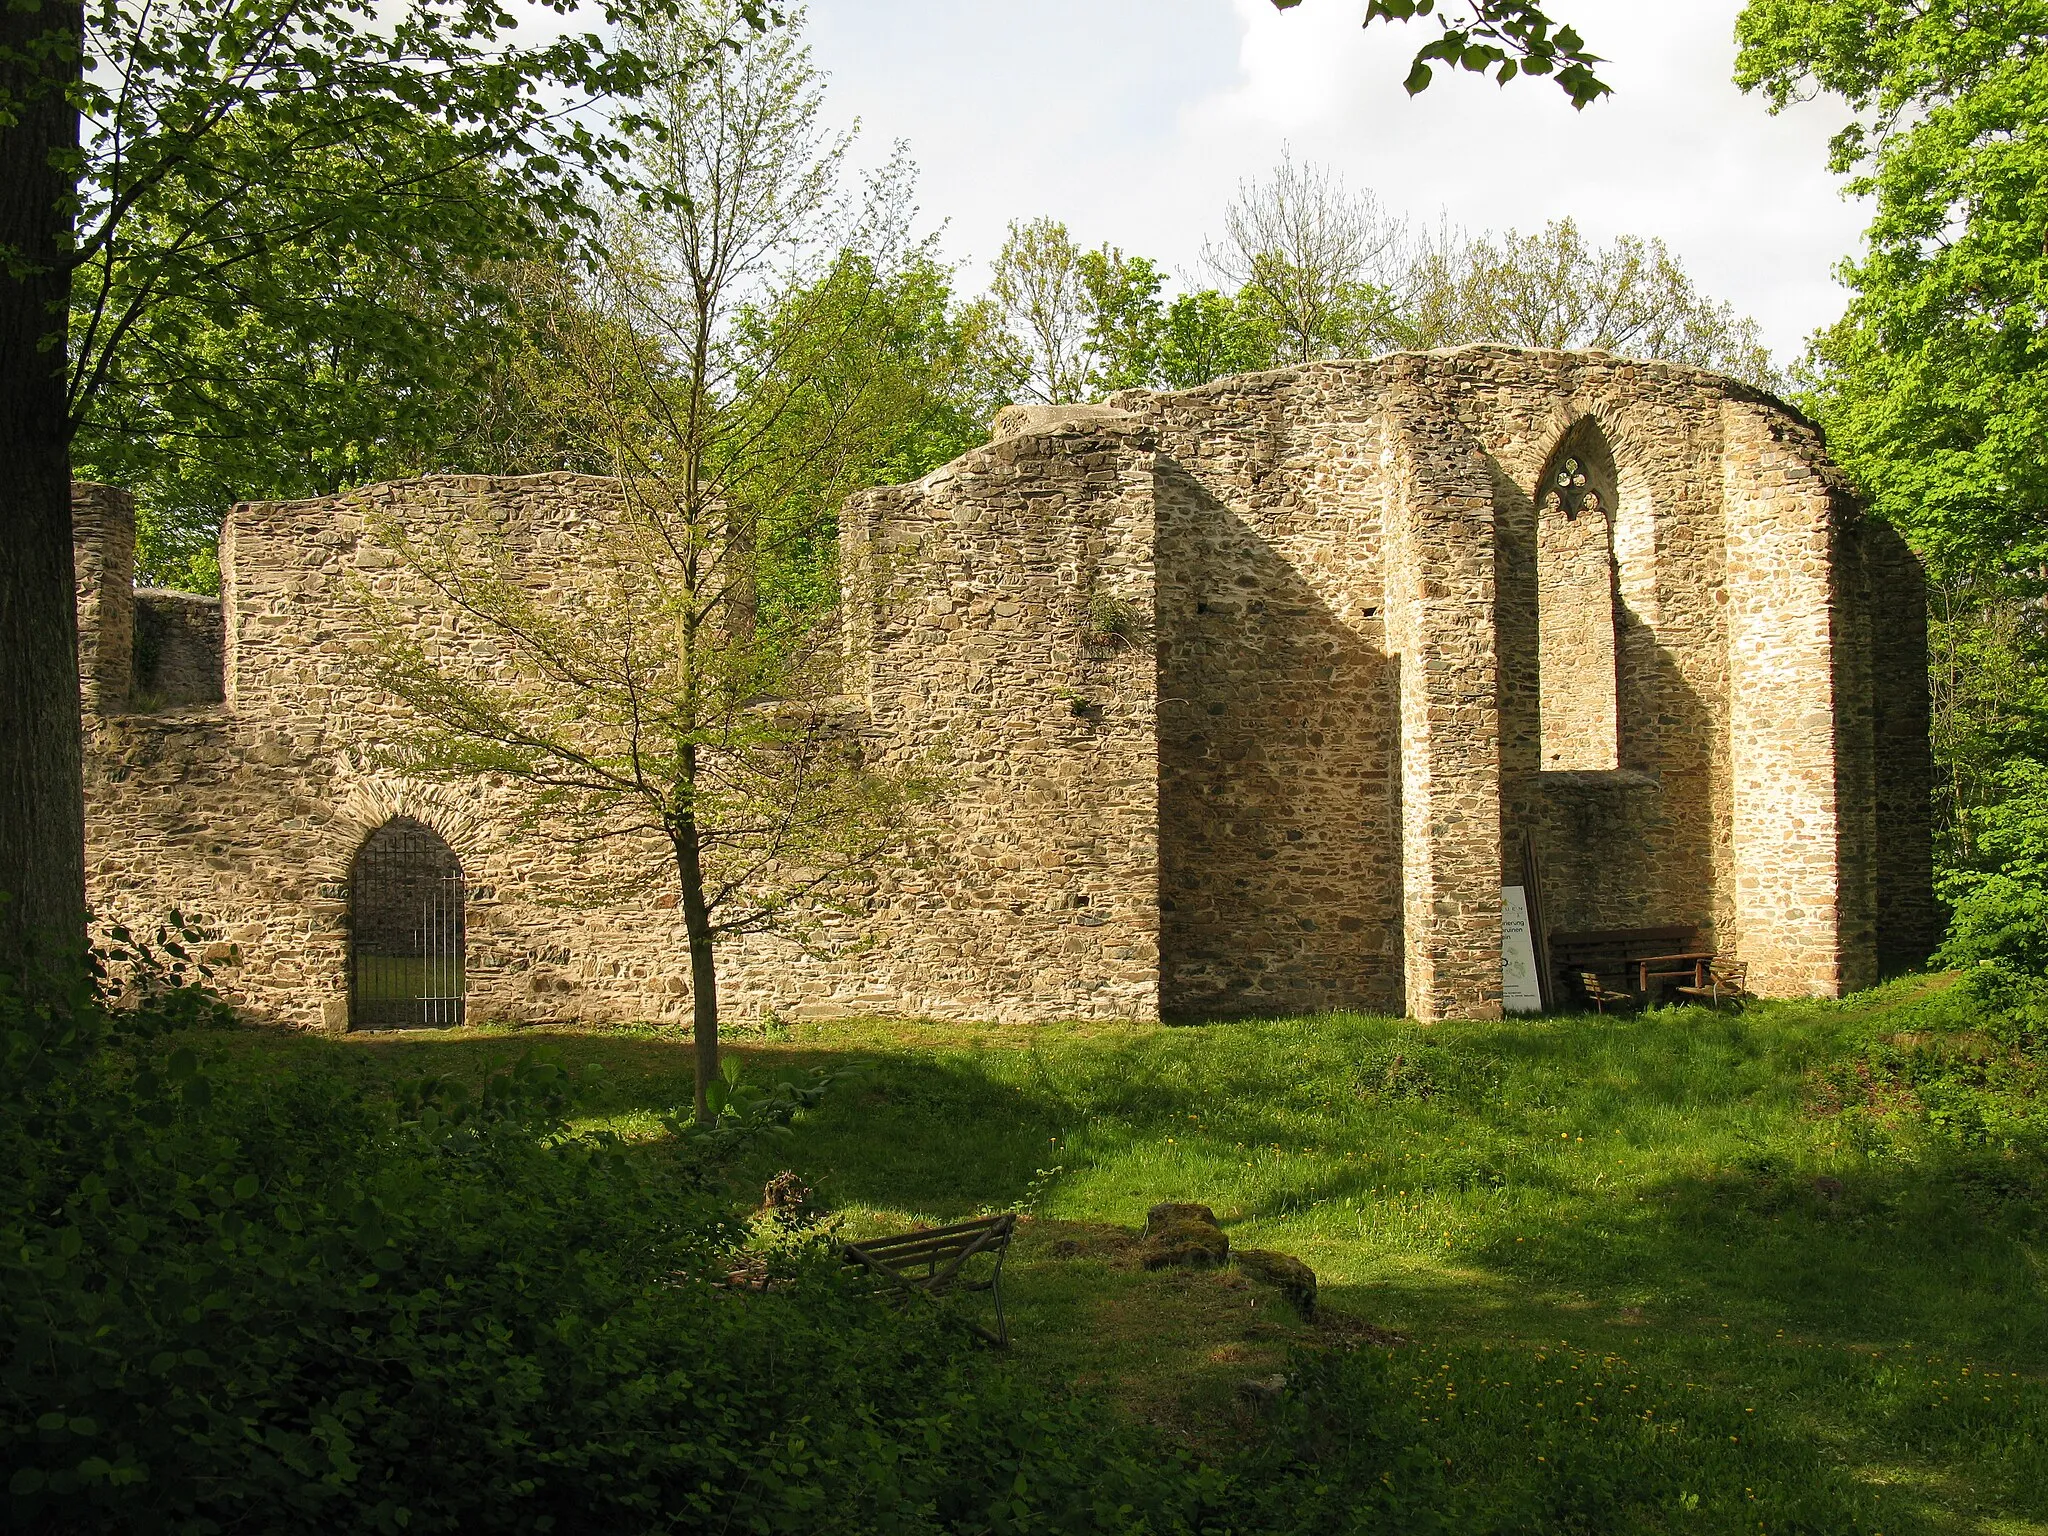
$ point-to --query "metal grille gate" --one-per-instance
(408, 936)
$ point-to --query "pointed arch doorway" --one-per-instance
(408, 937)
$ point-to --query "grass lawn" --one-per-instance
(1720, 1223)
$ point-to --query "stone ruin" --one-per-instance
(1250, 699)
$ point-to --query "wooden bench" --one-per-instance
(942, 1254)
(1638, 959)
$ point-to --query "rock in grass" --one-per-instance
(1179, 1235)
(1285, 1273)
(1177, 1211)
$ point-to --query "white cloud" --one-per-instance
(1133, 120)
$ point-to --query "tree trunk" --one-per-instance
(703, 967)
(42, 821)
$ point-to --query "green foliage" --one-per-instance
(1042, 295)
(1552, 289)
(541, 1348)
(367, 349)
(1506, 37)
(1313, 269)
(1419, 1440)
(1989, 696)
(1999, 936)
(1934, 386)
(244, 1297)
(743, 1117)
(1209, 335)
(1125, 318)
(870, 375)
(292, 223)
(1081, 324)
(1968, 1069)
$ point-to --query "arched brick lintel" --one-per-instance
(373, 800)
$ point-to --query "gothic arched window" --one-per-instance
(1575, 605)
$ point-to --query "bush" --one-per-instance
(1999, 935)
(267, 1302)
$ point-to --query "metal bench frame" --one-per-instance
(943, 1252)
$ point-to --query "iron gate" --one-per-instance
(407, 934)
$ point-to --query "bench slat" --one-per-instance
(901, 1258)
(979, 1224)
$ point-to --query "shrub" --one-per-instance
(1999, 935)
(235, 1301)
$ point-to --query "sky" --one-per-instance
(1134, 121)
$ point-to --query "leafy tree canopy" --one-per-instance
(294, 224)
(1934, 386)
(1552, 289)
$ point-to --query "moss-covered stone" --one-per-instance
(1183, 1236)
(1285, 1273)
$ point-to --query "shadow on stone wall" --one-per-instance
(1631, 847)
(1279, 779)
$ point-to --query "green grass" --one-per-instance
(1673, 1219)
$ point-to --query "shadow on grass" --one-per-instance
(1655, 1189)
(1690, 1199)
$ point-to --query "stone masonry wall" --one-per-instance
(1575, 638)
(1233, 700)
(1039, 900)
(1802, 921)
(1280, 882)
(248, 815)
(1002, 635)
(179, 650)
(1645, 843)
(1441, 600)
(1909, 920)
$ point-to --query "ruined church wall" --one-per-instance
(1909, 919)
(1030, 892)
(1230, 701)
(1000, 643)
(1804, 916)
(1356, 484)
(179, 650)
(1279, 751)
(1442, 601)
(248, 816)
(103, 562)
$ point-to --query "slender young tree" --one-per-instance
(750, 368)
(632, 714)
(1039, 288)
